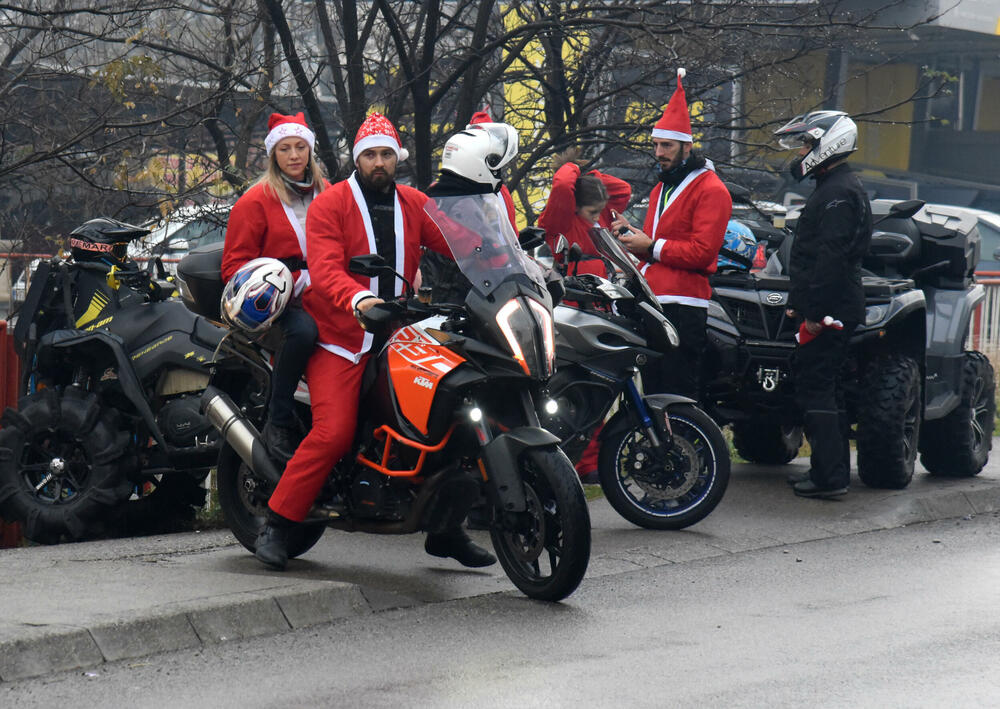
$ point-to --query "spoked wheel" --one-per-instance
(545, 549)
(673, 492)
(62, 463)
(243, 500)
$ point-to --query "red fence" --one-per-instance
(10, 532)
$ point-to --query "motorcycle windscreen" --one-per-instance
(482, 240)
(608, 247)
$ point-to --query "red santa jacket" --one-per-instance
(687, 235)
(560, 217)
(508, 202)
(259, 225)
(338, 227)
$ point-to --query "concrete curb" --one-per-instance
(56, 648)
(32, 649)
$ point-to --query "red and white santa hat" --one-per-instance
(280, 127)
(675, 123)
(481, 116)
(377, 131)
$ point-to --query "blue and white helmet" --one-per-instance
(257, 294)
(738, 248)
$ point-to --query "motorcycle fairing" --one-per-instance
(417, 363)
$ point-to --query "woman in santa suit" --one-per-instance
(269, 220)
(579, 201)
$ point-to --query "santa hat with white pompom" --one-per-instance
(377, 131)
(675, 123)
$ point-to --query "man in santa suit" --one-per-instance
(366, 213)
(679, 243)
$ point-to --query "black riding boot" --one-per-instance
(271, 546)
(829, 476)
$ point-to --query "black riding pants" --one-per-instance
(679, 370)
(299, 335)
(818, 368)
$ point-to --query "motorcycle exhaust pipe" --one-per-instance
(223, 414)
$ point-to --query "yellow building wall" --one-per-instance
(885, 141)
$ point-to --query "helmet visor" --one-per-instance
(794, 141)
(503, 143)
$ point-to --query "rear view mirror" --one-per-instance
(905, 209)
(561, 244)
(530, 237)
(369, 265)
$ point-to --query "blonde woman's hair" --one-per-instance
(273, 184)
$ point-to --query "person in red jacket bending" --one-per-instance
(679, 242)
(577, 202)
(366, 213)
(270, 220)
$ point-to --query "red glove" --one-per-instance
(803, 335)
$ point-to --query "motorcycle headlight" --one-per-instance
(525, 329)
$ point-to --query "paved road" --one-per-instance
(901, 617)
(82, 605)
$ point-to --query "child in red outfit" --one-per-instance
(577, 202)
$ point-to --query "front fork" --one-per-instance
(660, 440)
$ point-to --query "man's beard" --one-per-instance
(378, 180)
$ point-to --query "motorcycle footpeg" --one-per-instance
(326, 510)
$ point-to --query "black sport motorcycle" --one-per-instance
(663, 462)
(449, 413)
(107, 436)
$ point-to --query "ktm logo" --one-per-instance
(423, 382)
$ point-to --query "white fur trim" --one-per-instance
(379, 141)
(671, 135)
(361, 294)
(683, 300)
(288, 130)
(681, 72)
(658, 247)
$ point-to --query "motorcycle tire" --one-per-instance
(545, 550)
(244, 510)
(958, 445)
(645, 492)
(889, 422)
(62, 465)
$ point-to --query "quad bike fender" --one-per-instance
(658, 405)
(948, 315)
(66, 339)
(501, 460)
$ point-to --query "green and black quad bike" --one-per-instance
(107, 437)
(911, 386)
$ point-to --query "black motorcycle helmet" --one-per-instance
(103, 239)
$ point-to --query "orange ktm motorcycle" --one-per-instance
(449, 414)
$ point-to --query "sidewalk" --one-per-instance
(76, 606)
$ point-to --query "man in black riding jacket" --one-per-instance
(831, 238)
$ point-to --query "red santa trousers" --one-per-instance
(334, 390)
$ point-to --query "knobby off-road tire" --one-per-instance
(958, 445)
(889, 422)
(62, 465)
(766, 442)
(545, 550)
(674, 494)
(244, 508)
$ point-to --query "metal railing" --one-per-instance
(984, 335)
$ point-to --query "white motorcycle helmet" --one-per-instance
(257, 295)
(480, 151)
(832, 135)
